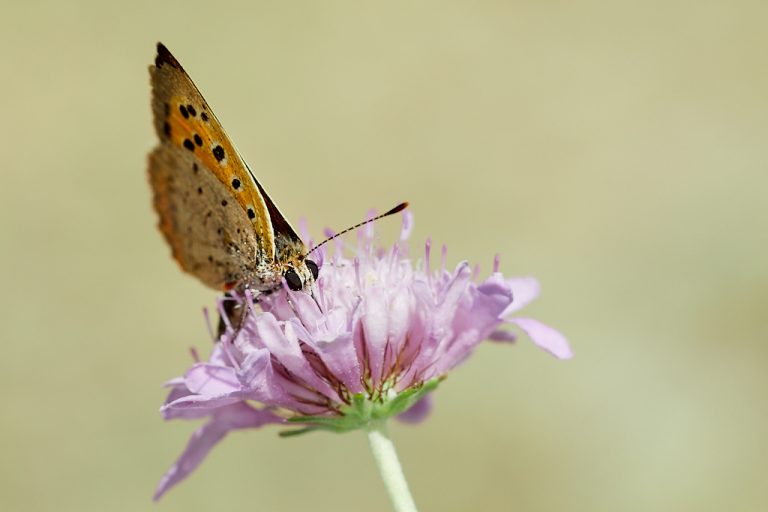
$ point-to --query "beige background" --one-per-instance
(616, 150)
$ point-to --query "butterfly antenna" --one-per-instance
(396, 209)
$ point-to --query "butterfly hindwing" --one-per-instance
(209, 234)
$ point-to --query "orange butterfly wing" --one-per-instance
(217, 218)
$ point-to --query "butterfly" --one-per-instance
(220, 223)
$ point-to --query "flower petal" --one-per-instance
(337, 353)
(259, 380)
(236, 416)
(545, 337)
(443, 315)
(284, 346)
(211, 380)
(375, 326)
(179, 390)
(502, 335)
(400, 317)
(455, 289)
(524, 291)
(207, 403)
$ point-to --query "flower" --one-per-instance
(373, 340)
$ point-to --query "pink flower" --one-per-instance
(378, 335)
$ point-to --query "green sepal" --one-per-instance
(362, 411)
(404, 400)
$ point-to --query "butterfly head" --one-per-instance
(300, 274)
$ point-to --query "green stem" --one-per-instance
(389, 467)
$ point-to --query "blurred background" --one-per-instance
(615, 150)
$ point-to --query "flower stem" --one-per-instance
(389, 467)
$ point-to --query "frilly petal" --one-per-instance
(211, 379)
(375, 329)
(545, 337)
(178, 391)
(283, 343)
(400, 318)
(524, 291)
(204, 403)
(336, 348)
(237, 416)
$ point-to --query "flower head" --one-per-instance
(375, 337)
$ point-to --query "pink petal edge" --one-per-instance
(545, 337)
(236, 416)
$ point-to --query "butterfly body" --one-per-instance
(220, 223)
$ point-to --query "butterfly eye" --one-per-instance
(293, 279)
(312, 266)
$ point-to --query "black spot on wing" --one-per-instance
(183, 111)
(191, 110)
(189, 145)
(218, 153)
(198, 140)
(236, 183)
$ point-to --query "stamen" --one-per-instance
(427, 252)
(338, 243)
(225, 346)
(223, 312)
(406, 226)
(358, 277)
(394, 257)
(496, 262)
(361, 245)
(303, 228)
(396, 209)
(368, 228)
(208, 324)
(443, 257)
(320, 258)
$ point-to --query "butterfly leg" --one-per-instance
(236, 312)
(235, 316)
